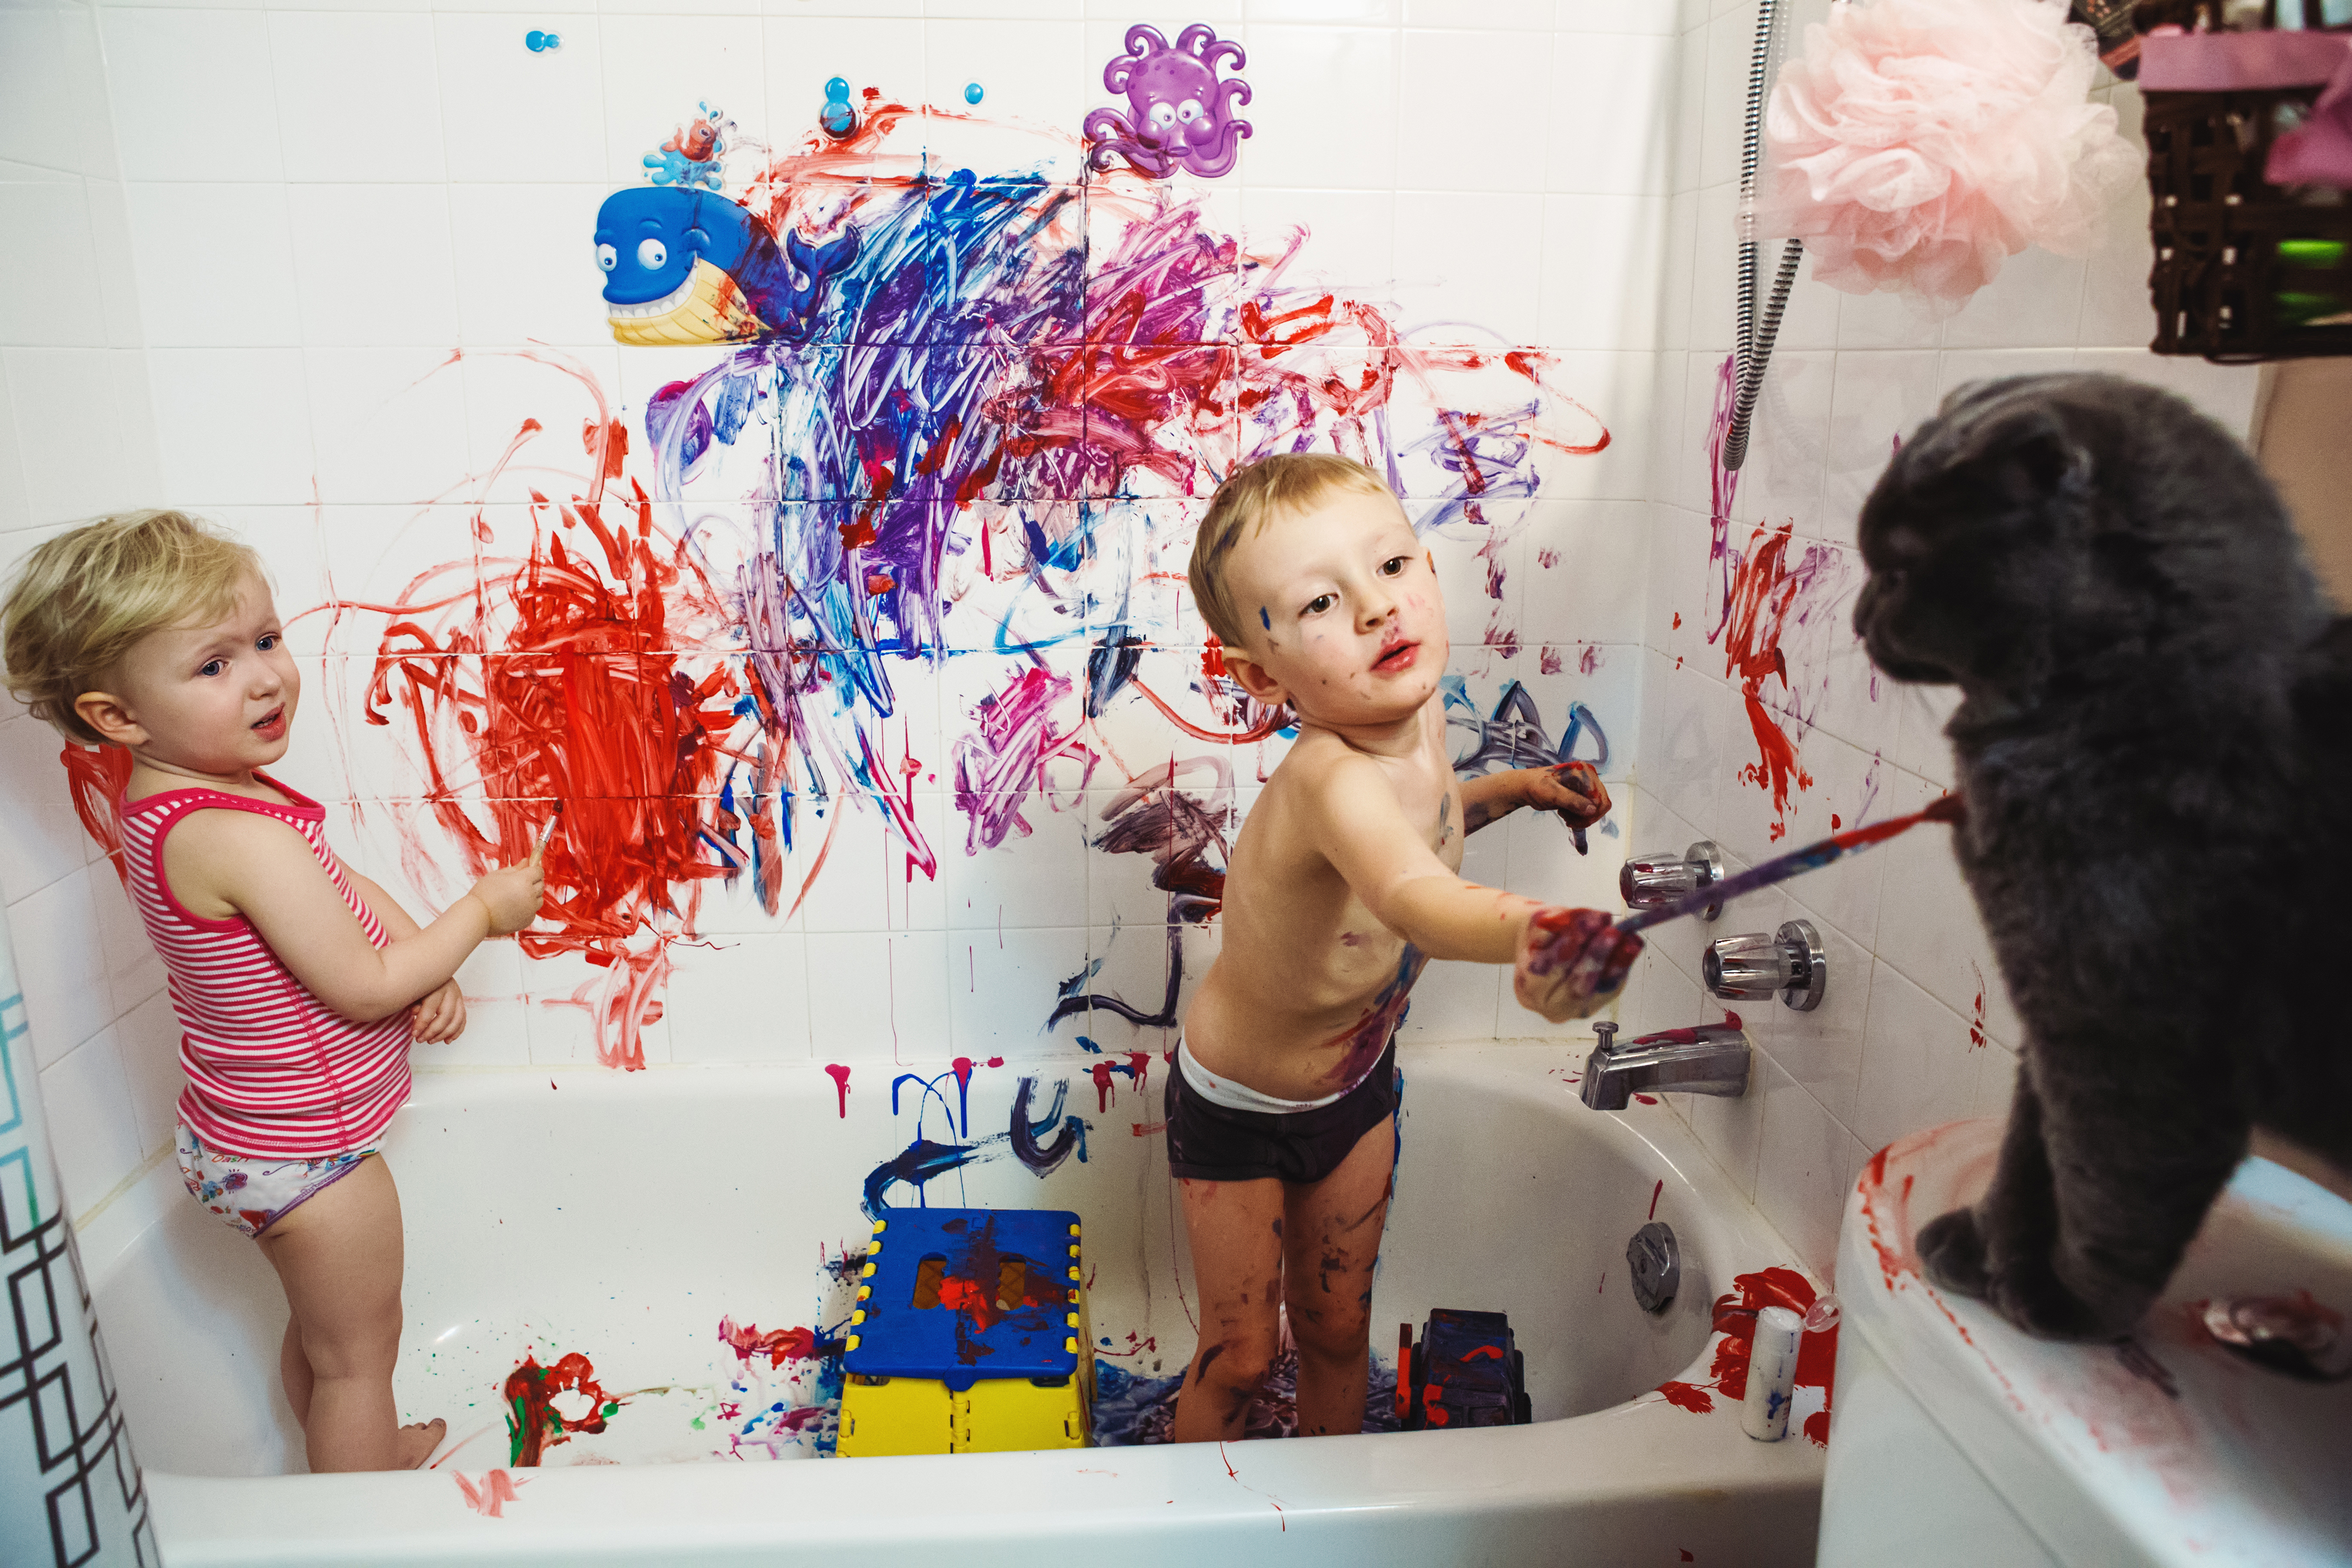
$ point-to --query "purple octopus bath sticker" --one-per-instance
(1183, 112)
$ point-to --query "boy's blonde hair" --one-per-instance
(81, 600)
(1242, 506)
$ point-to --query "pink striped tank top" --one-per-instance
(271, 1070)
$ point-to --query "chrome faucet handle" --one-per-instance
(1606, 1033)
(1653, 881)
(1755, 968)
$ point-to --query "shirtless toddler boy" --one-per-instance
(1343, 882)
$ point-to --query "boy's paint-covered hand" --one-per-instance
(1571, 962)
(1573, 788)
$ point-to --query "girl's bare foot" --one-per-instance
(416, 1442)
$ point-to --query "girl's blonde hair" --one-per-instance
(1248, 497)
(80, 601)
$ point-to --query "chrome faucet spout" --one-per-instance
(1711, 1059)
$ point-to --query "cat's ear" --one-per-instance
(2023, 454)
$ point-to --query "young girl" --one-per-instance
(297, 982)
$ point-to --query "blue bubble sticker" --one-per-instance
(836, 118)
(540, 43)
(972, 92)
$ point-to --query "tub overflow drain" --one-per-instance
(1658, 1264)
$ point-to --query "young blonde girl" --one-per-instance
(299, 984)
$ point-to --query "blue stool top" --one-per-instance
(962, 1294)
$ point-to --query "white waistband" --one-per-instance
(1236, 1096)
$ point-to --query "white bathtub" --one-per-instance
(621, 1217)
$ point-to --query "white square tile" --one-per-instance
(40, 839)
(1594, 424)
(39, 116)
(148, 1035)
(1615, 17)
(509, 116)
(1583, 566)
(118, 279)
(878, 995)
(1603, 260)
(651, 88)
(1730, 41)
(741, 998)
(1675, 286)
(578, 1016)
(1715, 270)
(52, 298)
(805, 51)
(215, 265)
(140, 476)
(1613, 102)
(1684, 742)
(61, 963)
(1456, 1001)
(1918, 1069)
(388, 423)
(1350, 236)
(1921, 713)
(15, 507)
(1003, 986)
(1033, 879)
(67, 429)
(358, 289)
(1373, 11)
(133, 972)
(1787, 441)
(1690, 105)
(1806, 1163)
(1296, 74)
(2034, 302)
(1036, 83)
(193, 94)
(1507, 74)
(1822, 1049)
(93, 1128)
(1733, 1128)
(1878, 397)
(1884, 321)
(1482, 14)
(232, 425)
(1669, 392)
(1929, 927)
(360, 94)
(526, 265)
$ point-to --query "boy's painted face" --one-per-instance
(216, 699)
(1348, 625)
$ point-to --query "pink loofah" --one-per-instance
(1919, 143)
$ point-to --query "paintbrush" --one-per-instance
(1796, 863)
(1582, 771)
(547, 833)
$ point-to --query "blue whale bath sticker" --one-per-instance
(684, 266)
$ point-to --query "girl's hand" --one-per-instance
(1571, 962)
(441, 1015)
(1573, 788)
(512, 895)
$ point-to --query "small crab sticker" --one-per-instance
(1183, 115)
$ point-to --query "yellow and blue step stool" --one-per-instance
(970, 1336)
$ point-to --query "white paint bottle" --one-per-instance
(1771, 1374)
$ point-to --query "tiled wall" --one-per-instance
(241, 244)
(1916, 1028)
(77, 436)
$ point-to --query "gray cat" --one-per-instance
(2153, 741)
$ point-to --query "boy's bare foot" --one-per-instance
(414, 1443)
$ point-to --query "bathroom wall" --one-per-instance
(328, 274)
(76, 437)
(1916, 1028)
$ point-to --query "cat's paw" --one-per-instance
(1951, 1248)
(2038, 1302)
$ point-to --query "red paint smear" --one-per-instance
(779, 1345)
(497, 1490)
(533, 1423)
(97, 776)
(1103, 1091)
(1689, 1396)
(1647, 1098)
(1735, 1321)
(558, 678)
(1654, 1193)
(1588, 661)
(840, 1076)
